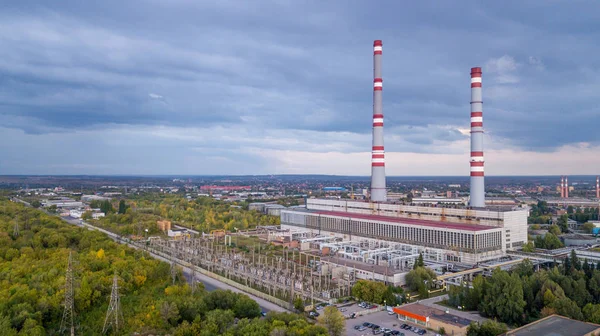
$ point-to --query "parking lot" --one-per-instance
(383, 319)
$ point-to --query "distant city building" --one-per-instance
(62, 203)
(90, 198)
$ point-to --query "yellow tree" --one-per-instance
(333, 320)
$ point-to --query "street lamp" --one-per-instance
(385, 304)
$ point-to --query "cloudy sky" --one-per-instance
(285, 86)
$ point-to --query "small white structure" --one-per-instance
(75, 213)
(177, 232)
(96, 215)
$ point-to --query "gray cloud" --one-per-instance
(275, 70)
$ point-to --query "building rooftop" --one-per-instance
(556, 325)
(435, 224)
(433, 313)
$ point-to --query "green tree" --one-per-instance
(529, 247)
(591, 313)
(122, 207)
(504, 297)
(487, 328)
(588, 227)
(36, 204)
(421, 277)
(246, 307)
(563, 222)
(299, 304)
(575, 260)
(333, 320)
(555, 230)
(551, 242)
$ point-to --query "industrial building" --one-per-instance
(459, 233)
(432, 318)
(556, 325)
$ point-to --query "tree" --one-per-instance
(575, 260)
(36, 204)
(555, 230)
(563, 222)
(504, 297)
(122, 207)
(169, 312)
(333, 320)
(552, 242)
(591, 313)
(245, 307)
(588, 227)
(106, 207)
(529, 247)
(418, 278)
(487, 328)
(299, 304)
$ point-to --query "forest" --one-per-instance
(34, 252)
(524, 295)
(204, 214)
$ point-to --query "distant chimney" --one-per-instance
(566, 187)
(598, 187)
(477, 198)
(378, 190)
(562, 187)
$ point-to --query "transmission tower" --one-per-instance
(173, 265)
(114, 315)
(16, 228)
(67, 323)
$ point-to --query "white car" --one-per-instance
(391, 313)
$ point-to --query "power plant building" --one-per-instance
(466, 235)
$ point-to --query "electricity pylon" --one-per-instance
(67, 323)
(114, 315)
(16, 228)
(173, 265)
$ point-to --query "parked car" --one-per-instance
(343, 309)
(391, 313)
(367, 324)
(357, 326)
(362, 328)
(375, 326)
(422, 332)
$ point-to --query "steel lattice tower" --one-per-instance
(16, 228)
(114, 315)
(67, 323)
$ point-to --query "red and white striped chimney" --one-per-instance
(477, 197)
(598, 187)
(378, 185)
(566, 187)
(562, 187)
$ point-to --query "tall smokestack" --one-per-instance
(598, 187)
(378, 191)
(562, 187)
(477, 177)
(566, 187)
